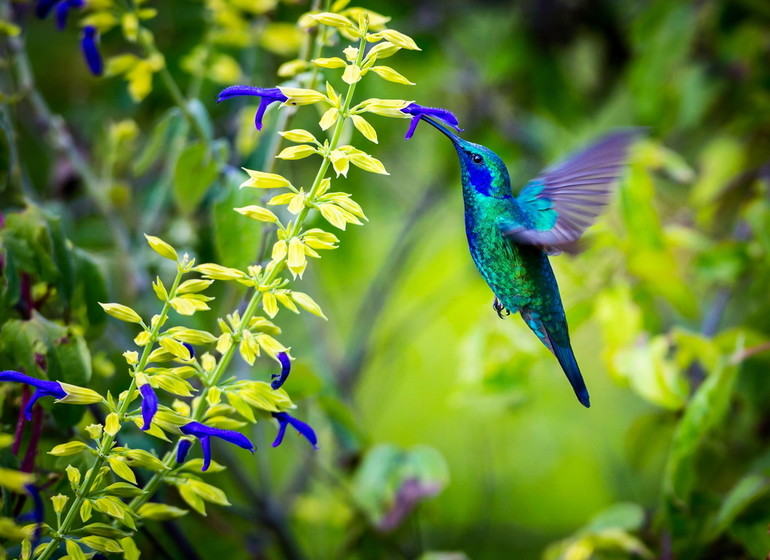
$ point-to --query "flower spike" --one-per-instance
(284, 420)
(280, 378)
(89, 44)
(266, 95)
(420, 111)
(42, 388)
(149, 404)
(204, 433)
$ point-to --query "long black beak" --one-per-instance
(451, 135)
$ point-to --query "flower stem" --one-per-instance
(148, 43)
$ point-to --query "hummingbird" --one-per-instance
(511, 237)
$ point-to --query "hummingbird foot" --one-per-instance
(499, 308)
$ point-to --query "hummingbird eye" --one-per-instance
(476, 158)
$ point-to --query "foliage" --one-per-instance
(108, 183)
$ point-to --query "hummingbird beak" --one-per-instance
(449, 134)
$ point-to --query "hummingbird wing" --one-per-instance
(566, 198)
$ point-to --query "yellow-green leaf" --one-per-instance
(297, 152)
(262, 180)
(298, 135)
(387, 73)
(121, 312)
(121, 469)
(363, 126)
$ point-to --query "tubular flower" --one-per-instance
(63, 9)
(280, 378)
(285, 420)
(266, 95)
(183, 449)
(204, 433)
(420, 111)
(37, 513)
(149, 404)
(42, 388)
(44, 7)
(89, 44)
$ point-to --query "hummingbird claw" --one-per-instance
(499, 308)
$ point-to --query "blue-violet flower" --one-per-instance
(149, 404)
(278, 379)
(44, 8)
(204, 433)
(183, 449)
(38, 512)
(89, 44)
(266, 95)
(420, 111)
(63, 9)
(285, 420)
(42, 388)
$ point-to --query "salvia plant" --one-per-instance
(178, 380)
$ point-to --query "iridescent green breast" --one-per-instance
(502, 263)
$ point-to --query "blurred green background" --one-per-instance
(414, 377)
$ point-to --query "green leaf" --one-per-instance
(92, 284)
(749, 489)
(160, 512)
(236, 239)
(704, 412)
(157, 145)
(10, 184)
(123, 490)
(626, 516)
(195, 172)
(192, 498)
(63, 259)
(202, 117)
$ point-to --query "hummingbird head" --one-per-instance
(482, 169)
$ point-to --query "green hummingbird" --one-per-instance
(510, 237)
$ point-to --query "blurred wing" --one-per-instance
(562, 202)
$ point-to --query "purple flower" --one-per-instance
(266, 95)
(149, 404)
(89, 44)
(285, 420)
(62, 10)
(42, 388)
(418, 112)
(183, 449)
(44, 8)
(204, 433)
(280, 378)
(37, 513)
(190, 349)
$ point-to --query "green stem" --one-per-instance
(107, 439)
(148, 43)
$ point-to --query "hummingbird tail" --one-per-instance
(568, 363)
(563, 352)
